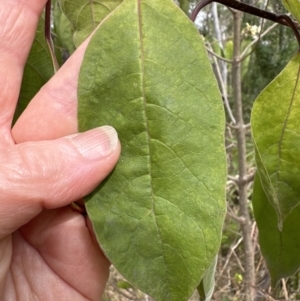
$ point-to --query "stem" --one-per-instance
(218, 56)
(280, 19)
(48, 35)
(223, 87)
(249, 275)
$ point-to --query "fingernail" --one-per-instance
(97, 143)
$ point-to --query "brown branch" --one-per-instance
(48, 35)
(240, 6)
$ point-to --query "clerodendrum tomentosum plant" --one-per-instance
(159, 215)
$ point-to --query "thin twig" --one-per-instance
(247, 179)
(235, 127)
(239, 219)
(229, 256)
(260, 262)
(223, 89)
(253, 231)
(229, 131)
(286, 294)
(235, 179)
(230, 146)
(239, 262)
(125, 295)
(218, 56)
(255, 41)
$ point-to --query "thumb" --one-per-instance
(51, 174)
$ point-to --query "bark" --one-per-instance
(249, 275)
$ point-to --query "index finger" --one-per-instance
(18, 23)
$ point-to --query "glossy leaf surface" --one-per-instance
(279, 248)
(85, 15)
(276, 134)
(38, 70)
(159, 215)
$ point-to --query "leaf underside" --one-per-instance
(279, 248)
(276, 196)
(159, 215)
(85, 15)
(276, 134)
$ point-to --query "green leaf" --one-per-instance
(279, 248)
(85, 15)
(293, 6)
(123, 284)
(184, 5)
(159, 216)
(276, 134)
(63, 29)
(207, 284)
(228, 50)
(38, 70)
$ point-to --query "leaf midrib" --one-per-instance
(140, 25)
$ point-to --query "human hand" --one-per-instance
(47, 250)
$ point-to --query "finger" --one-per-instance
(52, 113)
(18, 24)
(52, 174)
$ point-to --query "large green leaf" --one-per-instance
(276, 134)
(85, 15)
(38, 70)
(159, 216)
(279, 248)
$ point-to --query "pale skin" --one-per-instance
(47, 250)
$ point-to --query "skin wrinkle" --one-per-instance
(5, 256)
(9, 52)
(14, 31)
(31, 5)
(28, 165)
(26, 277)
(53, 179)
